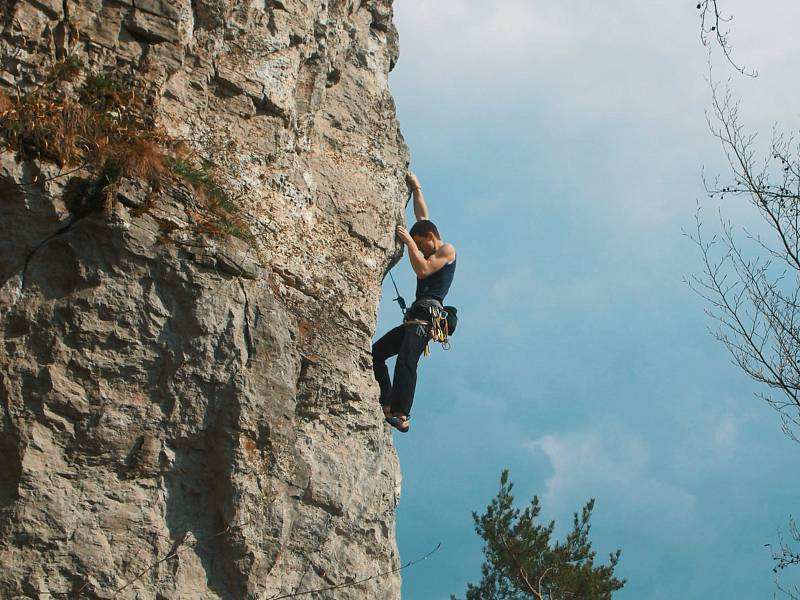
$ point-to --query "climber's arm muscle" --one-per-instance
(443, 256)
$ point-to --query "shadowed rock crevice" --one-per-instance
(198, 503)
(10, 463)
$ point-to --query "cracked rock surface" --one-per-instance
(186, 416)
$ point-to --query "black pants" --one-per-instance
(408, 343)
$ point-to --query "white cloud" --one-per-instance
(579, 457)
(614, 466)
(638, 60)
(459, 33)
(763, 33)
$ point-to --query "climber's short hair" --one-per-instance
(423, 228)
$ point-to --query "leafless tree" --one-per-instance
(751, 280)
(751, 276)
(755, 296)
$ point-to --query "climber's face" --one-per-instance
(426, 244)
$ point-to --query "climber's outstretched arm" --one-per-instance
(420, 208)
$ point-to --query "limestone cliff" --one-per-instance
(188, 408)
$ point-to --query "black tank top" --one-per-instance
(438, 284)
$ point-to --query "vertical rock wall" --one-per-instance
(188, 416)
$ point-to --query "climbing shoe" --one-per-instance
(387, 410)
(399, 422)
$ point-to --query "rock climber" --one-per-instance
(434, 263)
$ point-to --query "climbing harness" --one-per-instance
(440, 330)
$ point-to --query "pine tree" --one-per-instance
(522, 562)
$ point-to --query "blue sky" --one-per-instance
(560, 146)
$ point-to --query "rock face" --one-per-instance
(190, 416)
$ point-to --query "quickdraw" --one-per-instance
(440, 332)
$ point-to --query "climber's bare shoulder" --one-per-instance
(444, 255)
(447, 251)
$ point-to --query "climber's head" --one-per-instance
(426, 236)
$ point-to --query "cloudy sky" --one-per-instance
(560, 146)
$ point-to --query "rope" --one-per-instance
(400, 300)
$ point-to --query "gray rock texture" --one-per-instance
(189, 416)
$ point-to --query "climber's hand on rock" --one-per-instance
(404, 236)
(413, 181)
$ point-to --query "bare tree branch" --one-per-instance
(713, 26)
